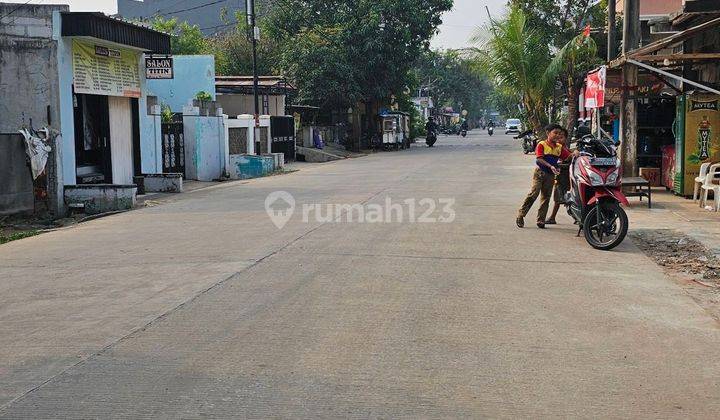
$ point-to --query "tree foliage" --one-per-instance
(452, 80)
(185, 38)
(233, 50)
(537, 47)
(517, 58)
(340, 52)
(559, 23)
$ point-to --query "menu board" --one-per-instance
(99, 70)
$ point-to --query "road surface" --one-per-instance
(202, 307)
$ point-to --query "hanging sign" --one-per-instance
(99, 70)
(158, 67)
(595, 88)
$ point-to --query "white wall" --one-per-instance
(121, 147)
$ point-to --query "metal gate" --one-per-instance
(283, 136)
(173, 146)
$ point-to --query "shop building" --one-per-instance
(675, 94)
(82, 74)
(103, 98)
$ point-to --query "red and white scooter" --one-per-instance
(595, 193)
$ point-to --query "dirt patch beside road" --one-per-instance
(687, 261)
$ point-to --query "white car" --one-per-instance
(513, 125)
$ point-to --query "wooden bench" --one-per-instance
(640, 188)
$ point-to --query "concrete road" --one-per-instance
(203, 308)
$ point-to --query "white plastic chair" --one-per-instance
(700, 180)
(709, 185)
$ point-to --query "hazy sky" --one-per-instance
(458, 25)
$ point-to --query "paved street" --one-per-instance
(201, 307)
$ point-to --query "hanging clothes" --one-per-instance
(37, 149)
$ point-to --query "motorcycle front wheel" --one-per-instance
(606, 230)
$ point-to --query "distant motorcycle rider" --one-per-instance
(432, 128)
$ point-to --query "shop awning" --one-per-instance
(644, 57)
(103, 27)
(646, 53)
(673, 76)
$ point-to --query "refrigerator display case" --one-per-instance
(696, 127)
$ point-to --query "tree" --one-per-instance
(572, 63)
(452, 80)
(559, 22)
(233, 51)
(341, 52)
(518, 58)
(186, 39)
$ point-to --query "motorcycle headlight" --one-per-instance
(612, 178)
(595, 179)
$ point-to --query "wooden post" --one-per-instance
(628, 106)
(611, 52)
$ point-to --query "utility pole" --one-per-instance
(628, 106)
(611, 36)
(255, 33)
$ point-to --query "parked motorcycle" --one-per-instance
(529, 141)
(490, 131)
(595, 193)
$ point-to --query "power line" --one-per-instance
(14, 10)
(182, 2)
(190, 8)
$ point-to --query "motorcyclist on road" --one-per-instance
(432, 128)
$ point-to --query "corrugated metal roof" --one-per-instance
(100, 26)
(226, 84)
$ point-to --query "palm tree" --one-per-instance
(571, 64)
(516, 58)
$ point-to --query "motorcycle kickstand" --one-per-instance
(579, 230)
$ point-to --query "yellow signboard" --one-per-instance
(702, 143)
(99, 70)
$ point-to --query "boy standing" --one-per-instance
(562, 186)
(549, 152)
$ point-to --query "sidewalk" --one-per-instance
(677, 213)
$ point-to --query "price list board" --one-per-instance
(99, 70)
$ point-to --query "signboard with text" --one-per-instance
(99, 70)
(158, 67)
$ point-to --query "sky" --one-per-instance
(458, 24)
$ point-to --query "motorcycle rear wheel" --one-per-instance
(612, 228)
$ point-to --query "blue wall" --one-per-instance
(193, 73)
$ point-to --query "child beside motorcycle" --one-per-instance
(550, 153)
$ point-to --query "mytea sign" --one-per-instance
(158, 67)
